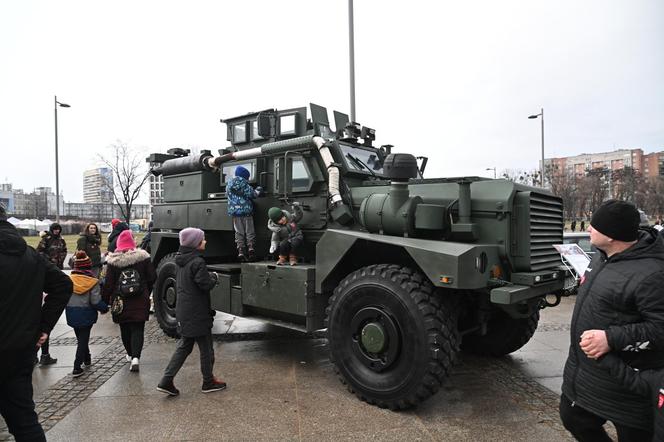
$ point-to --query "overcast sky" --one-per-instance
(451, 80)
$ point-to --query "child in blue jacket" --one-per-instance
(81, 311)
(241, 208)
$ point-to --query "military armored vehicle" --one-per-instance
(402, 271)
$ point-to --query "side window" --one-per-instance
(300, 176)
(228, 171)
(297, 175)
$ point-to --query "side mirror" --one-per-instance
(267, 124)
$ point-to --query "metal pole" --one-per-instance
(542, 171)
(57, 176)
(351, 53)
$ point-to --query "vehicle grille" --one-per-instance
(546, 229)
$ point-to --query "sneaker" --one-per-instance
(78, 371)
(88, 360)
(214, 385)
(134, 365)
(128, 358)
(292, 260)
(168, 388)
(47, 360)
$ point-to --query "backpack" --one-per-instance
(129, 283)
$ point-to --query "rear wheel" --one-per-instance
(504, 334)
(165, 295)
(391, 340)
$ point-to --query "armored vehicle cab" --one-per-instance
(402, 271)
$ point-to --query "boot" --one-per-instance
(47, 360)
(282, 260)
(252, 252)
(241, 254)
(293, 260)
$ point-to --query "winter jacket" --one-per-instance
(192, 310)
(622, 295)
(85, 302)
(240, 195)
(54, 248)
(287, 231)
(113, 237)
(647, 383)
(91, 244)
(24, 277)
(137, 307)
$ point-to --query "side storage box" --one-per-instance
(170, 216)
(220, 295)
(282, 289)
(193, 186)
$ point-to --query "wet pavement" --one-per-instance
(282, 387)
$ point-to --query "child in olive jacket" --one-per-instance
(648, 383)
(286, 235)
(81, 311)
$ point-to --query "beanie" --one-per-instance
(243, 172)
(82, 261)
(191, 237)
(125, 241)
(275, 214)
(617, 219)
(114, 222)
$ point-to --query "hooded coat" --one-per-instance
(240, 195)
(622, 295)
(136, 308)
(85, 301)
(24, 277)
(192, 310)
(53, 246)
(113, 237)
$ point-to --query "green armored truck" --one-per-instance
(403, 271)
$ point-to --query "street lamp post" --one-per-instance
(494, 171)
(57, 169)
(351, 56)
(541, 116)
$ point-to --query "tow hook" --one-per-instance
(544, 302)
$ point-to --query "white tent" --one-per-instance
(13, 221)
(34, 224)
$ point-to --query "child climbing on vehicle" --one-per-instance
(286, 235)
(241, 208)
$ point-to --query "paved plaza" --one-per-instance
(281, 386)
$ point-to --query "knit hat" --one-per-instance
(617, 219)
(243, 172)
(125, 241)
(82, 261)
(191, 237)
(114, 222)
(275, 214)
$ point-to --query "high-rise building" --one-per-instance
(98, 186)
(156, 187)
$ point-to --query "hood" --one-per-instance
(53, 227)
(127, 258)
(274, 227)
(649, 245)
(119, 227)
(82, 283)
(11, 243)
(186, 254)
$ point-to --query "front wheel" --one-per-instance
(165, 295)
(391, 340)
(504, 334)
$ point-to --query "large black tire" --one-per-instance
(504, 335)
(165, 295)
(420, 344)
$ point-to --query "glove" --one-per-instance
(273, 246)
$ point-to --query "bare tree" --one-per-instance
(129, 175)
(528, 178)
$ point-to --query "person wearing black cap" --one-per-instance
(26, 323)
(619, 309)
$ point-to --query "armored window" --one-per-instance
(228, 170)
(287, 124)
(240, 133)
(254, 131)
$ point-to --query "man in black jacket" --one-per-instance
(24, 276)
(619, 309)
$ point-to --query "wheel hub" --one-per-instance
(171, 294)
(376, 338)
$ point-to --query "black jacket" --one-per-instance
(647, 383)
(192, 309)
(24, 277)
(113, 237)
(622, 295)
(91, 245)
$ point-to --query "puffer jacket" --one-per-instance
(622, 295)
(648, 383)
(240, 195)
(192, 310)
(136, 308)
(288, 231)
(85, 302)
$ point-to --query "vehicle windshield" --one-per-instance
(362, 160)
